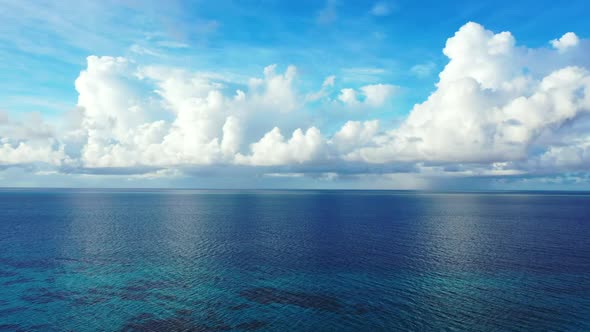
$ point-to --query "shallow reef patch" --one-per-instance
(17, 281)
(44, 295)
(172, 324)
(253, 325)
(269, 295)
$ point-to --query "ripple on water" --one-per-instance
(321, 261)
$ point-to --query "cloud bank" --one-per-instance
(498, 109)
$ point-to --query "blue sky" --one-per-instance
(45, 44)
(395, 48)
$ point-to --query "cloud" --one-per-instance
(324, 91)
(487, 108)
(354, 134)
(329, 81)
(499, 109)
(161, 173)
(348, 96)
(185, 120)
(573, 157)
(375, 95)
(30, 141)
(27, 153)
(273, 149)
(566, 41)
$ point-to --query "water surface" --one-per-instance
(185, 260)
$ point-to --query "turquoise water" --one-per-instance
(88, 260)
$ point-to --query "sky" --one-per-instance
(329, 94)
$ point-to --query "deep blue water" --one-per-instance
(86, 260)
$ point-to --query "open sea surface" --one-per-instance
(198, 260)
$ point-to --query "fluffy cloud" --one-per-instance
(354, 134)
(571, 158)
(487, 108)
(29, 141)
(378, 94)
(185, 120)
(348, 96)
(499, 109)
(373, 95)
(273, 149)
(566, 41)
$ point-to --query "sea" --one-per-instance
(293, 260)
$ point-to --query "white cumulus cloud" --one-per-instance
(274, 149)
(566, 41)
(498, 109)
(487, 108)
(373, 95)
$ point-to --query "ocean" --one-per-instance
(216, 260)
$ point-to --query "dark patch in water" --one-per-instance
(39, 327)
(10, 327)
(253, 325)
(268, 295)
(20, 280)
(184, 312)
(40, 264)
(94, 291)
(87, 261)
(362, 309)
(90, 300)
(9, 311)
(7, 274)
(153, 324)
(145, 286)
(143, 316)
(105, 290)
(68, 259)
(166, 297)
(103, 294)
(173, 324)
(130, 296)
(239, 307)
(140, 290)
(43, 295)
